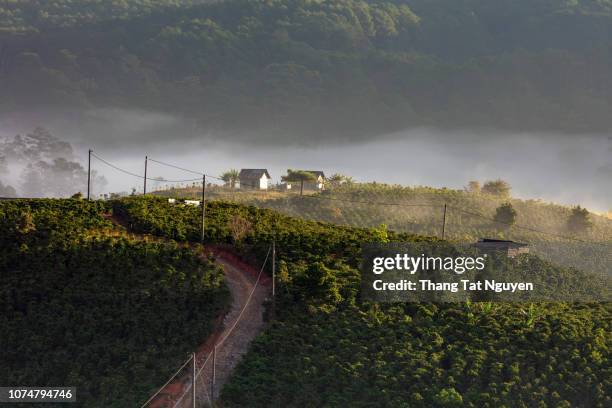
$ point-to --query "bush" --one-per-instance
(498, 188)
(505, 214)
(579, 220)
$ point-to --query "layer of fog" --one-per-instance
(41, 165)
(569, 169)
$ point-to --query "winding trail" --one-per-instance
(234, 330)
(244, 325)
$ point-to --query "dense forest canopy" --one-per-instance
(239, 64)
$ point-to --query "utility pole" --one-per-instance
(145, 177)
(193, 387)
(444, 222)
(88, 175)
(212, 377)
(203, 206)
(273, 267)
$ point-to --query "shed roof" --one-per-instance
(253, 173)
(500, 243)
(316, 173)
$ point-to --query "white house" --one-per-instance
(318, 184)
(257, 179)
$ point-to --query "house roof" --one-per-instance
(316, 173)
(500, 243)
(253, 173)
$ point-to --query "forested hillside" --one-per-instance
(85, 305)
(326, 346)
(91, 306)
(351, 66)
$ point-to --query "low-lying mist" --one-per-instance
(566, 168)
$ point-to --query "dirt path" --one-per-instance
(232, 336)
(234, 340)
(235, 332)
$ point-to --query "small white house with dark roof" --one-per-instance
(318, 184)
(257, 179)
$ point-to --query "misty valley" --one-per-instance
(306, 203)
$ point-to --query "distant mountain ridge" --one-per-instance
(317, 68)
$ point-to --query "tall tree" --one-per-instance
(47, 165)
(505, 214)
(473, 187)
(579, 220)
(337, 179)
(230, 178)
(499, 188)
(299, 176)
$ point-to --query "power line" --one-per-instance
(167, 382)
(527, 228)
(115, 167)
(138, 175)
(176, 167)
(247, 301)
(219, 343)
(461, 210)
(215, 177)
(184, 169)
(197, 375)
(319, 197)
